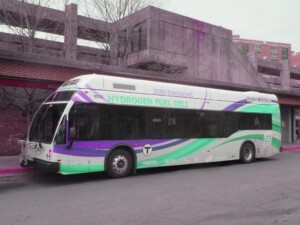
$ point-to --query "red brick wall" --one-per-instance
(13, 125)
(38, 71)
(295, 61)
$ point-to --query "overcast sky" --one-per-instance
(265, 20)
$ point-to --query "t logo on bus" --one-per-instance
(147, 150)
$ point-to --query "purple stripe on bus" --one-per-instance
(167, 145)
(100, 148)
(204, 101)
(74, 151)
(84, 96)
(96, 92)
(236, 105)
(109, 144)
(78, 99)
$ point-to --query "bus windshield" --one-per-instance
(45, 122)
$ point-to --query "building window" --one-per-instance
(274, 48)
(273, 60)
(274, 54)
(256, 46)
(245, 48)
(257, 53)
(285, 53)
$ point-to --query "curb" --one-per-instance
(14, 170)
(290, 148)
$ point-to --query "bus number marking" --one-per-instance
(98, 96)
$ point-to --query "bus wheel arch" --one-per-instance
(247, 152)
(120, 161)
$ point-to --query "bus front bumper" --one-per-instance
(44, 165)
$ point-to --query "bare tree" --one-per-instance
(24, 18)
(119, 28)
(26, 100)
(124, 29)
(126, 32)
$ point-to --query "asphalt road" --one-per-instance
(266, 192)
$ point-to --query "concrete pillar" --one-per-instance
(71, 28)
(252, 58)
(285, 76)
(114, 48)
(148, 24)
(286, 124)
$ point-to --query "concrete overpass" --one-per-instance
(171, 44)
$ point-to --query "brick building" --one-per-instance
(295, 60)
(272, 51)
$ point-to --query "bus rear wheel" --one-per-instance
(119, 164)
(247, 153)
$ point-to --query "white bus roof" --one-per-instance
(139, 86)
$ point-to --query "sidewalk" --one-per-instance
(291, 147)
(10, 164)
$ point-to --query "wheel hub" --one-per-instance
(120, 164)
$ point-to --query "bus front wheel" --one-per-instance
(119, 163)
(247, 153)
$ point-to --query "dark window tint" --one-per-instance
(60, 96)
(111, 122)
(255, 121)
(245, 48)
(285, 53)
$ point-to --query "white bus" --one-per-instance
(102, 123)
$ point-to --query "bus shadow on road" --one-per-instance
(43, 178)
(210, 165)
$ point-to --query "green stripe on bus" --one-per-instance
(245, 137)
(276, 127)
(185, 151)
(276, 143)
(259, 108)
(74, 169)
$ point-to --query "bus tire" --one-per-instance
(119, 164)
(247, 154)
